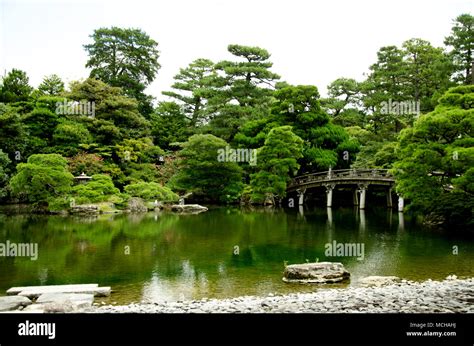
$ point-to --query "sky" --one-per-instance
(311, 41)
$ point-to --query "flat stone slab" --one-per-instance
(60, 303)
(49, 308)
(13, 302)
(98, 292)
(77, 299)
(17, 290)
(316, 273)
(33, 309)
(378, 281)
(35, 291)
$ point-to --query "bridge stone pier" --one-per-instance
(300, 193)
(358, 179)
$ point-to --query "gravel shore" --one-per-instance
(448, 296)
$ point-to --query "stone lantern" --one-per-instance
(82, 178)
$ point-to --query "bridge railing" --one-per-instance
(340, 174)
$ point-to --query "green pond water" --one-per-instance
(225, 252)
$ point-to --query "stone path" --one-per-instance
(36, 291)
(53, 298)
(13, 303)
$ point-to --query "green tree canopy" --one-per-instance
(151, 191)
(42, 178)
(169, 125)
(4, 173)
(417, 73)
(99, 189)
(126, 58)
(428, 72)
(299, 107)
(51, 85)
(15, 87)
(244, 91)
(68, 136)
(86, 163)
(436, 159)
(116, 116)
(277, 161)
(193, 86)
(203, 174)
(462, 42)
(343, 92)
(138, 150)
(13, 133)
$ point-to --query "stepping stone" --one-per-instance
(13, 302)
(60, 303)
(17, 290)
(79, 300)
(35, 291)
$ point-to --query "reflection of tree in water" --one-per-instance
(76, 251)
(84, 246)
(243, 259)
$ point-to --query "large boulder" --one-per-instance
(137, 205)
(85, 209)
(378, 281)
(318, 273)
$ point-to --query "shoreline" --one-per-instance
(447, 296)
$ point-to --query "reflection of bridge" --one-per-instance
(360, 179)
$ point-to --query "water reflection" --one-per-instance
(301, 211)
(401, 221)
(362, 221)
(329, 212)
(171, 256)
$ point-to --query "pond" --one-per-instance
(225, 252)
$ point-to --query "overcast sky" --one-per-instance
(311, 41)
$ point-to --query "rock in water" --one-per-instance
(378, 281)
(137, 205)
(85, 209)
(188, 208)
(318, 273)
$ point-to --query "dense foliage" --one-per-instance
(412, 113)
(201, 173)
(277, 161)
(435, 168)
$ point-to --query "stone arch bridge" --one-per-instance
(359, 179)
